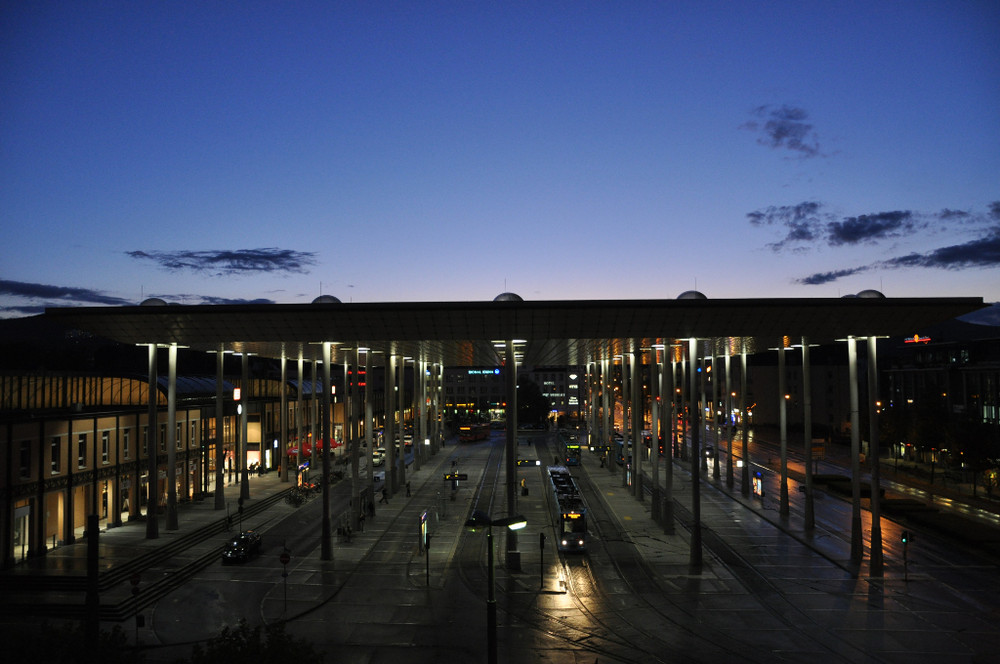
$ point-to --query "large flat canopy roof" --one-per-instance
(564, 332)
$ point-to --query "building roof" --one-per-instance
(472, 333)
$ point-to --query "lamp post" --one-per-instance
(480, 520)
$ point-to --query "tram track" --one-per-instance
(618, 551)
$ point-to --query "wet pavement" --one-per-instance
(766, 589)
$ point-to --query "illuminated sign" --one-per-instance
(917, 339)
(481, 372)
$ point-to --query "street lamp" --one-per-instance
(482, 520)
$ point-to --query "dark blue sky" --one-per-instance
(381, 151)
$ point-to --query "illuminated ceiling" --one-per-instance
(556, 333)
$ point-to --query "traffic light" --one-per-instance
(541, 541)
(905, 537)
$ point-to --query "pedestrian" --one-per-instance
(407, 489)
(602, 460)
(385, 497)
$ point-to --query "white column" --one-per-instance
(172, 437)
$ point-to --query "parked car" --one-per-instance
(378, 456)
(242, 547)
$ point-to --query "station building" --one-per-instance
(96, 441)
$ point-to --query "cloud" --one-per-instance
(61, 293)
(207, 299)
(820, 278)
(982, 252)
(784, 128)
(803, 222)
(230, 262)
(869, 227)
(29, 299)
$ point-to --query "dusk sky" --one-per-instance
(216, 152)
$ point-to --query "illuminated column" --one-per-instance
(744, 416)
(313, 413)
(729, 422)
(300, 424)
(244, 428)
(684, 398)
(715, 415)
(876, 562)
(510, 379)
(326, 543)
(152, 477)
(220, 448)
(369, 424)
(283, 419)
(702, 371)
(654, 427)
(391, 483)
(810, 517)
(638, 418)
(354, 439)
(172, 437)
(606, 414)
(670, 417)
(401, 409)
(696, 552)
(783, 421)
(857, 535)
(422, 407)
(626, 440)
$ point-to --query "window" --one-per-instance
(105, 446)
(163, 437)
(145, 441)
(180, 436)
(55, 455)
(25, 466)
(125, 443)
(81, 450)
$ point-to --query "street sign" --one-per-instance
(284, 558)
(456, 476)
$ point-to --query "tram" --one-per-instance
(571, 513)
(470, 432)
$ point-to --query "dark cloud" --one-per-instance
(826, 277)
(982, 252)
(995, 210)
(947, 215)
(785, 128)
(59, 293)
(229, 262)
(869, 227)
(230, 300)
(803, 222)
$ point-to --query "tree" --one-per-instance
(532, 406)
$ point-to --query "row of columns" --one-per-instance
(427, 386)
(665, 408)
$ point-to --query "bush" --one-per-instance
(243, 644)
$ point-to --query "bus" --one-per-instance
(570, 511)
(470, 432)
